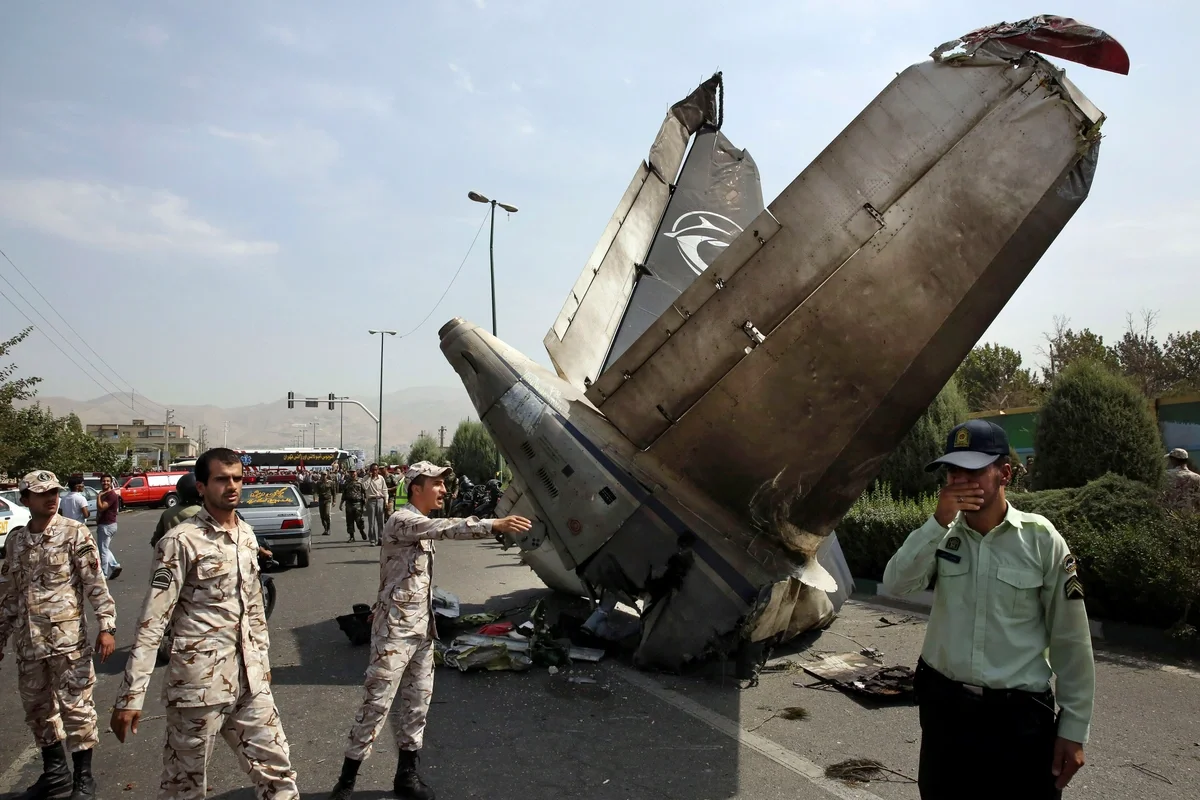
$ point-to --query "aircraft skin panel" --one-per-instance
(827, 223)
(831, 390)
(580, 337)
(593, 263)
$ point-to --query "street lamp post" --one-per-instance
(379, 422)
(478, 198)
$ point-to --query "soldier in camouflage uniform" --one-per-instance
(52, 564)
(403, 629)
(325, 498)
(206, 585)
(1183, 485)
(354, 500)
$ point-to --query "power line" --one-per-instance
(77, 334)
(64, 352)
(452, 280)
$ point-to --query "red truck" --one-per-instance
(149, 488)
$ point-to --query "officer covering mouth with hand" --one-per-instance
(1006, 593)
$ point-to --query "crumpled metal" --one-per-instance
(1046, 33)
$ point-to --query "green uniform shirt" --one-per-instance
(1001, 603)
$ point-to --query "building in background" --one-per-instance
(148, 442)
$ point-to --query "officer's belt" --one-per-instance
(930, 678)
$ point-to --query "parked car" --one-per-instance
(90, 495)
(12, 515)
(150, 489)
(279, 515)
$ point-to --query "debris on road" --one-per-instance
(795, 713)
(355, 624)
(861, 770)
(482, 618)
(854, 673)
(884, 622)
(1146, 770)
(492, 657)
(446, 604)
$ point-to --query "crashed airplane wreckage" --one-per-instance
(730, 378)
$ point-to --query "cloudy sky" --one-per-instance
(222, 197)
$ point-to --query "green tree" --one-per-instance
(904, 469)
(1064, 347)
(425, 448)
(1095, 421)
(19, 388)
(1182, 354)
(992, 377)
(1142, 359)
(473, 452)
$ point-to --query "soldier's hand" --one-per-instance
(1068, 758)
(956, 497)
(511, 524)
(105, 645)
(268, 676)
(124, 722)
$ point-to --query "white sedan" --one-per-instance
(12, 515)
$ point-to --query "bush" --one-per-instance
(1138, 563)
(904, 469)
(1093, 422)
(876, 525)
(1108, 503)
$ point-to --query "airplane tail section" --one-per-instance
(669, 226)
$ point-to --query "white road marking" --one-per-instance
(8, 781)
(760, 744)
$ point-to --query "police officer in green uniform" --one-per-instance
(1007, 594)
(324, 490)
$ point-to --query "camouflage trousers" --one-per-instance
(57, 695)
(252, 730)
(354, 516)
(324, 508)
(404, 664)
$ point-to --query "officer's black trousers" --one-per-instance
(996, 745)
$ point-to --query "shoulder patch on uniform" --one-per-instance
(162, 578)
(1073, 588)
(1069, 564)
(953, 543)
(87, 548)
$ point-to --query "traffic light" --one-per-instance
(331, 399)
(291, 399)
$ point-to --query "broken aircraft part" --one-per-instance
(646, 460)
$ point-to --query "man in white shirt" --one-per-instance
(376, 489)
(73, 504)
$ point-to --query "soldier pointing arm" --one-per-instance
(403, 630)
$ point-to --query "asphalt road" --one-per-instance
(534, 736)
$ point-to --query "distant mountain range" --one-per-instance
(406, 413)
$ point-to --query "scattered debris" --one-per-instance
(1144, 769)
(482, 618)
(795, 713)
(907, 620)
(355, 625)
(553, 670)
(129, 787)
(853, 673)
(497, 629)
(516, 645)
(872, 652)
(861, 770)
(581, 680)
(491, 657)
(446, 604)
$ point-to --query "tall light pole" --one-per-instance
(379, 422)
(302, 433)
(342, 424)
(478, 198)
(315, 425)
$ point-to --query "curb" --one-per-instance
(1120, 634)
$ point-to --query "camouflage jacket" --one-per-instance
(353, 491)
(406, 569)
(43, 583)
(1183, 490)
(324, 487)
(206, 585)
